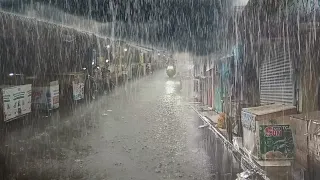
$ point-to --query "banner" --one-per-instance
(16, 101)
(276, 142)
(77, 90)
(54, 92)
(46, 97)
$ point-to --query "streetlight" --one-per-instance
(125, 49)
(108, 46)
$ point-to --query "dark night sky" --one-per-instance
(191, 25)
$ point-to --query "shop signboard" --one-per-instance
(276, 142)
(16, 101)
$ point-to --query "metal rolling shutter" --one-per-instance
(276, 84)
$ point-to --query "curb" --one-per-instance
(245, 161)
(208, 121)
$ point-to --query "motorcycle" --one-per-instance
(171, 71)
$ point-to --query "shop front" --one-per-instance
(218, 88)
(209, 82)
(276, 82)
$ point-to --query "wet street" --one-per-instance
(145, 130)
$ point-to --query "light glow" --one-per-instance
(170, 67)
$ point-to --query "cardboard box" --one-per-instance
(257, 120)
(16, 101)
(306, 133)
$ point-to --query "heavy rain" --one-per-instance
(159, 89)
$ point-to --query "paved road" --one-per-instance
(142, 131)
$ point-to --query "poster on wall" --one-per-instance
(46, 97)
(248, 120)
(54, 91)
(77, 90)
(16, 101)
(276, 142)
(39, 97)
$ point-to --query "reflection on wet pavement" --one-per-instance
(143, 130)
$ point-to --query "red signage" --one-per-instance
(56, 100)
(273, 131)
(36, 94)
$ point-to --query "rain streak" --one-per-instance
(159, 90)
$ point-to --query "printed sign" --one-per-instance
(55, 100)
(248, 120)
(276, 142)
(54, 91)
(39, 99)
(47, 97)
(16, 101)
(78, 90)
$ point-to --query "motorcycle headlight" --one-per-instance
(170, 68)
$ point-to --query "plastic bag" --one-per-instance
(221, 121)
